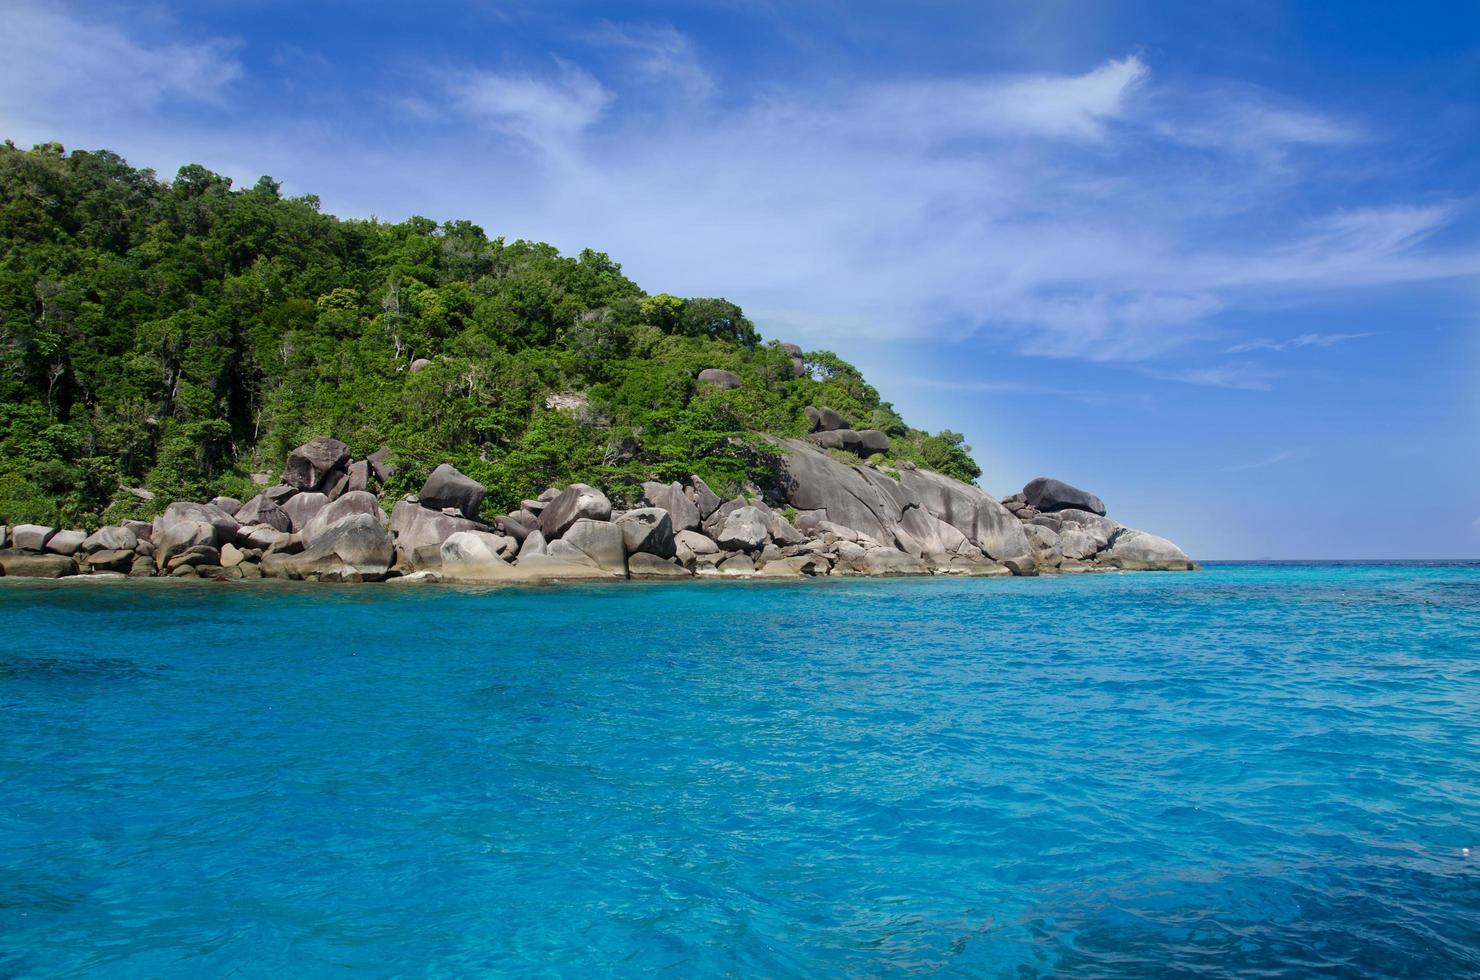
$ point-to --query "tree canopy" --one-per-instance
(177, 337)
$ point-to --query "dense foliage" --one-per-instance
(178, 337)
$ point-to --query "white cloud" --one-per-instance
(1243, 376)
(65, 71)
(547, 114)
(660, 54)
(1304, 340)
(1259, 464)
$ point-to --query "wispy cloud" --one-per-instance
(1244, 376)
(1304, 340)
(660, 54)
(1282, 456)
(547, 113)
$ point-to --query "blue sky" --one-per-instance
(1218, 263)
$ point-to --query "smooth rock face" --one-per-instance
(744, 529)
(577, 502)
(380, 464)
(261, 510)
(16, 565)
(695, 542)
(648, 530)
(111, 538)
(358, 476)
(31, 537)
(446, 487)
(226, 526)
(227, 505)
(416, 526)
(1047, 494)
(354, 549)
(646, 566)
(683, 513)
(301, 508)
(726, 380)
(1046, 548)
(872, 441)
(311, 463)
(602, 543)
(111, 560)
(358, 502)
(65, 542)
(828, 420)
(705, 499)
(1137, 550)
(181, 536)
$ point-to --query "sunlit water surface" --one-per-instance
(1251, 770)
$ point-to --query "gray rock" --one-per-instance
(515, 527)
(143, 530)
(602, 543)
(1047, 494)
(111, 560)
(261, 510)
(179, 537)
(310, 464)
(682, 512)
(231, 556)
(797, 566)
(577, 502)
(359, 476)
(778, 527)
(419, 365)
(466, 549)
(354, 549)
(359, 502)
(814, 418)
(227, 505)
(143, 567)
(110, 538)
(301, 508)
(416, 527)
(722, 379)
(446, 487)
(1046, 548)
(829, 420)
(1099, 529)
(647, 566)
(65, 542)
(31, 537)
(798, 367)
(279, 493)
(695, 542)
(1139, 551)
(16, 564)
(705, 499)
(335, 484)
(872, 441)
(740, 565)
(648, 530)
(744, 529)
(184, 512)
(263, 536)
(380, 464)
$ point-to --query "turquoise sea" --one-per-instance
(1250, 771)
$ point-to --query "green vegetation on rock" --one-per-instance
(175, 338)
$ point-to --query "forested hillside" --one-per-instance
(176, 337)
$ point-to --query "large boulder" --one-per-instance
(475, 556)
(380, 464)
(972, 511)
(355, 502)
(66, 542)
(828, 420)
(178, 537)
(227, 505)
(416, 527)
(15, 564)
(354, 549)
(720, 378)
(744, 529)
(576, 502)
(696, 543)
(1047, 494)
(648, 530)
(872, 441)
(1138, 551)
(110, 538)
(646, 566)
(301, 508)
(111, 560)
(682, 512)
(262, 510)
(184, 512)
(446, 487)
(1047, 550)
(705, 499)
(358, 476)
(601, 543)
(310, 464)
(31, 537)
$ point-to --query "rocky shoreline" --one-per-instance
(326, 521)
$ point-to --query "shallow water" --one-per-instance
(1248, 771)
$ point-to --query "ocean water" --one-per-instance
(1251, 771)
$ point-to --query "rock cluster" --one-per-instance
(831, 431)
(1069, 532)
(325, 522)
